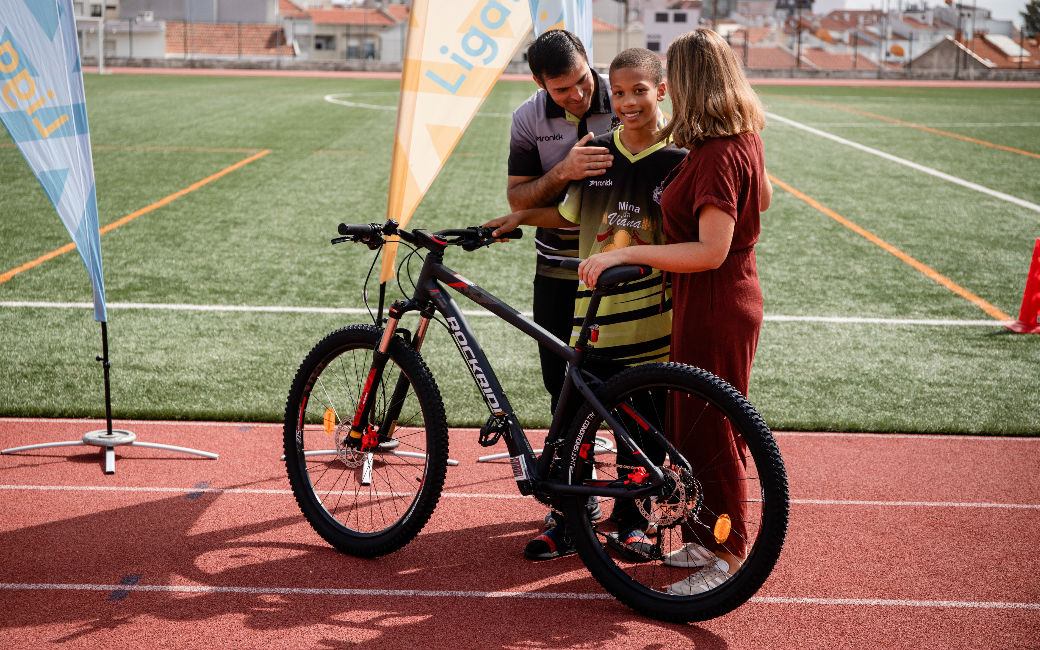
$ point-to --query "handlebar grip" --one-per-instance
(358, 229)
(570, 263)
(513, 234)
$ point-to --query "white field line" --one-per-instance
(484, 595)
(493, 496)
(912, 165)
(950, 125)
(355, 311)
(337, 98)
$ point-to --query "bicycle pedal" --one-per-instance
(492, 431)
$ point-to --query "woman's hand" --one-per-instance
(591, 268)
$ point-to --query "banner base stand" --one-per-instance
(108, 441)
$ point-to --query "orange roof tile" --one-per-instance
(825, 60)
(399, 12)
(765, 57)
(986, 50)
(226, 39)
(369, 17)
(290, 10)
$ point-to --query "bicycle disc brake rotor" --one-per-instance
(683, 500)
(351, 456)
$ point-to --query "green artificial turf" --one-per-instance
(259, 237)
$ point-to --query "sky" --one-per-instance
(1001, 9)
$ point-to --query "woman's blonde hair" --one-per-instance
(711, 97)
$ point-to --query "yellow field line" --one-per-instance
(937, 131)
(915, 126)
(130, 217)
(112, 147)
(874, 239)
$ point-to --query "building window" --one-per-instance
(324, 42)
(678, 18)
(660, 17)
(95, 11)
(653, 46)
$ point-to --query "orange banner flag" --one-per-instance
(455, 52)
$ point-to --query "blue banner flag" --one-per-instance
(43, 107)
(573, 15)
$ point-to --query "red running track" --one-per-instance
(895, 542)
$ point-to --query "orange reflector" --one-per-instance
(330, 421)
(722, 527)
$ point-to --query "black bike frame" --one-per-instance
(529, 471)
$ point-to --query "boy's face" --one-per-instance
(572, 90)
(634, 97)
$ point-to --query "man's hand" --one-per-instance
(582, 162)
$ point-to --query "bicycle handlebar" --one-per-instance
(374, 235)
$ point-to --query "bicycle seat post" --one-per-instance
(587, 325)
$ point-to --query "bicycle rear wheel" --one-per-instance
(374, 502)
(733, 504)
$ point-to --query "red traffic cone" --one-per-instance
(1029, 316)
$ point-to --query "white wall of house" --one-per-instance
(662, 26)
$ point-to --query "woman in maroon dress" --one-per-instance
(711, 203)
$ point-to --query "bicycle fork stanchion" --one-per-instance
(109, 438)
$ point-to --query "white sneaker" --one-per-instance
(701, 582)
(689, 556)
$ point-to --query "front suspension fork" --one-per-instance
(360, 428)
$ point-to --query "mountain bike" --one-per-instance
(366, 442)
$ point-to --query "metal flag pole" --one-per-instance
(108, 438)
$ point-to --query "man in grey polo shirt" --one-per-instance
(546, 152)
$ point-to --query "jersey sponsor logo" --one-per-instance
(595, 182)
(624, 221)
(549, 138)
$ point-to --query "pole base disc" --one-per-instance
(103, 438)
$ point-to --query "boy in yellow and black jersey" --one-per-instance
(616, 209)
(619, 209)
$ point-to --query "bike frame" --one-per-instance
(531, 472)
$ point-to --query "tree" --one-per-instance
(1031, 18)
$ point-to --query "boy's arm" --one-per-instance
(542, 217)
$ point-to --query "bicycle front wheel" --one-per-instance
(373, 502)
(714, 532)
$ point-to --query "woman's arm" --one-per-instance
(766, 196)
(716, 234)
